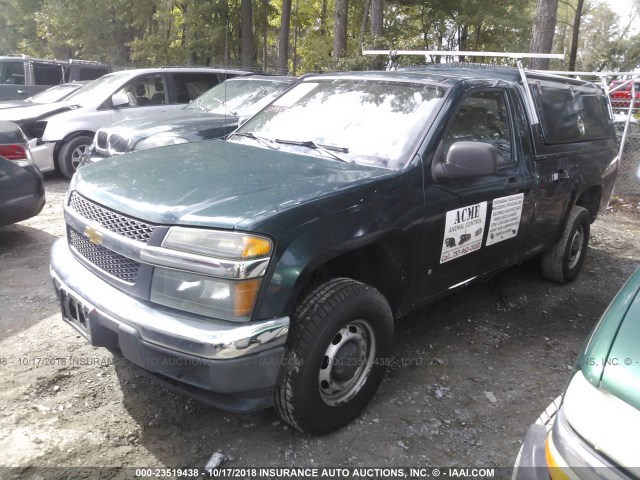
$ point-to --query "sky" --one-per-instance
(623, 9)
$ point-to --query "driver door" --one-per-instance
(474, 224)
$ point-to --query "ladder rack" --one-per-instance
(531, 109)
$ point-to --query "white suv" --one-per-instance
(60, 133)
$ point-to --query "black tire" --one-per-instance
(70, 154)
(336, 356)
(563, 261)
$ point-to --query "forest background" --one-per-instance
(300, 36)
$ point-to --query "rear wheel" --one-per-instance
(71, 153)
(563, 261)
(336, 356)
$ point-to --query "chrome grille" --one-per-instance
(114, 264)
(112, 221)
(117, 143)
(102, 140)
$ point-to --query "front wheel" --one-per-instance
(336, 357)
(562, 262)
(71, 154)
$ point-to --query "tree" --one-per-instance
(377, 20)
(365, 21)
(283, 38)
(18, 27)
(139, 33)
(544, 26)
(377, 29)
(247, 47)
(574, 37)
(340, 28)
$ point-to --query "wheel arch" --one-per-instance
(377, 264)
(590, 200)
(70, 136)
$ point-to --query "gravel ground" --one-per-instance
(470, 373)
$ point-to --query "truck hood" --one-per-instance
(214, 183)
(188, 121)
(35, 111)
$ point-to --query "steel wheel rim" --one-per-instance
(77, 154)
(347, 362)
(575, 250)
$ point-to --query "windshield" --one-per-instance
(238, 97)
(53, 94)
(98, 89)
(369, 122)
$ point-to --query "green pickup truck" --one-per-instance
(268, 269)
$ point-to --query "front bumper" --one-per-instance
(579, 459)
(531, 463)
(230, 365)
(42, 155)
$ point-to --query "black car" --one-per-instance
(214, 114)
(21, 183)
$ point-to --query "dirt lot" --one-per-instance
(470, 373)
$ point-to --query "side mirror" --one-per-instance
(466, 160)
(119, 99)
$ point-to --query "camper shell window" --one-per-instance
(570, 113)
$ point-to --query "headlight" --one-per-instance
(231, 245)
(213, 297)
(220, 274)
(159, 140)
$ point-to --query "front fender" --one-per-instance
(393, 210)
(61, 126)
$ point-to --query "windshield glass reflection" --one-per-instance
(371, 122)
(98, 89)
(238, 97)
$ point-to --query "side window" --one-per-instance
(191, 85)
(145, 91)
(47, 73)
(483, 117)
(12, 73)
(571, 113)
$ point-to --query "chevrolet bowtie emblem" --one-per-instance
(93, 235)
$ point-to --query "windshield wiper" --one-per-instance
(263, 140)
(328, 149)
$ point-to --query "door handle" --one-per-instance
(514, 182)
(22, 91)
(560, 175)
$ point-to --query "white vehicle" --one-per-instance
(60, 133)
